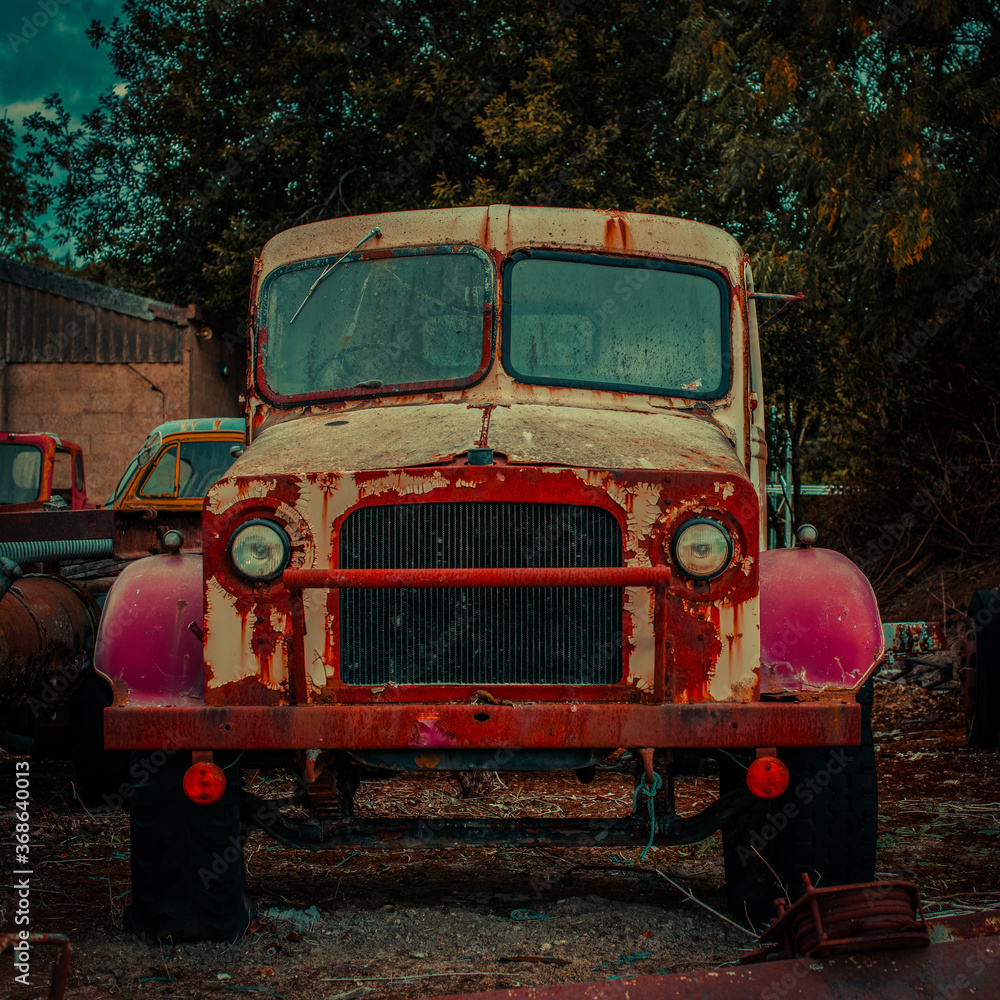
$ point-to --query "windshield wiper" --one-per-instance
(312, 288)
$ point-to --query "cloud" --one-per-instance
(44, 50)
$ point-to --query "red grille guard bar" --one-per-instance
(536, 576)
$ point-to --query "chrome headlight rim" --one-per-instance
(678, 535)
(286, 549)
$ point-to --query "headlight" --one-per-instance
(702, 548)
(260, 550)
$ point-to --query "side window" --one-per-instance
(20, 473)
(62, 476)
(78, 473)
(207, 462)
(161, 481)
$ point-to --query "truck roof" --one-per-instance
(15, 435)
(200, 425)
(508, 228)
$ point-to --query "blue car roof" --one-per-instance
(200, 424)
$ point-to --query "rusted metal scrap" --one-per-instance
(912, 638)
(45, 623)
(844, 920)
(60, 971)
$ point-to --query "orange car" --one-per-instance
(177, 463)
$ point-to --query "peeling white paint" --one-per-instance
(223, 495)
(228, 652)
(734, 677)
(639, 602)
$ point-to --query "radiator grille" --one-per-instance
(537, 635)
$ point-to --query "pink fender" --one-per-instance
(145, 644)
(820, 628)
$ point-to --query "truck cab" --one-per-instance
(177, 463)
(41, 468)
(502, 507)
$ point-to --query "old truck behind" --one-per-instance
(501, 508)
(51, 701)
(41, 468)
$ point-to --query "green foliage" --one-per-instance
(22, 200)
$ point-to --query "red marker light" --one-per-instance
(767, 777)
(204, 783)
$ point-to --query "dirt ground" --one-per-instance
(384, 924)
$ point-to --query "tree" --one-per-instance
(375, 106)
(22, 200)
(855, 147)
(849, 146)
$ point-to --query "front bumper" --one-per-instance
(832, 722)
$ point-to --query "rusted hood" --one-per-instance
(610, 439)
(394, 437)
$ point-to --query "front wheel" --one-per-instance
(824, 826)
(101, 775)
(188, 881)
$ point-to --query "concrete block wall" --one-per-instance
(217, 375)
(102, 367)
(108, 409)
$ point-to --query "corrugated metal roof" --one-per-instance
(76, 289)
(46, 316)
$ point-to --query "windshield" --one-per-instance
(20, 473)
(123, 482)
(628, 325)
(397, 321)
(189, 473)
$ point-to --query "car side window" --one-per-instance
(161, 480)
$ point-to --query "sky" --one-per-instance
(44, 50)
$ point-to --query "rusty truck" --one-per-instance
(501, 507)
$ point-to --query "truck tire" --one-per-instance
(101, 776)
(188, 881)
(747, 855)
(982, 720)
(824, 826)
